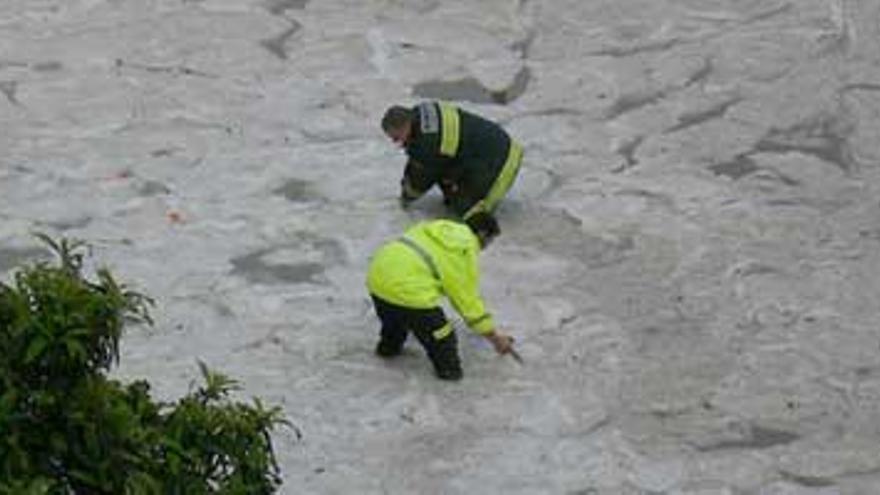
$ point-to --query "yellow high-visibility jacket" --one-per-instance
(430, 260)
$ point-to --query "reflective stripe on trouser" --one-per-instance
(502, 182)
(443, 352)
(442, 332)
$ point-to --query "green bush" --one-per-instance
(67, 428)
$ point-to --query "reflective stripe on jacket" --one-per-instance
(400, 274)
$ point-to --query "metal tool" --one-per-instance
(515, 355)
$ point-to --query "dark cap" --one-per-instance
(396, 117)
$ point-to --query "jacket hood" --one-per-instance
(449, 234)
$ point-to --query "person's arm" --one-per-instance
(461, 285)
(416, 180)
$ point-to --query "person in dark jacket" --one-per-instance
(473, 160)
(408, 276)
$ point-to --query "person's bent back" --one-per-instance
(408, 277)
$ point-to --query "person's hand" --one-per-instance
(503, 343)
(450, 190)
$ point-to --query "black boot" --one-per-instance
(451, 374)
(386, 350)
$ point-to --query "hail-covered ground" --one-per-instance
(689, 258)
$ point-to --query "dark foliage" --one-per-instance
(66, 428)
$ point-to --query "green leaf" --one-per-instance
(35, 349)
(84, 476)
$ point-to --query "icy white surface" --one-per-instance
(689, 259)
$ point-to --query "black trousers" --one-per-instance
(399, 321)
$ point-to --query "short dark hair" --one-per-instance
(396, 117)
(483, 225)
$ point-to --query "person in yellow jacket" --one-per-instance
(407, 278)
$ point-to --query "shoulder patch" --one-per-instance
(430, 120)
